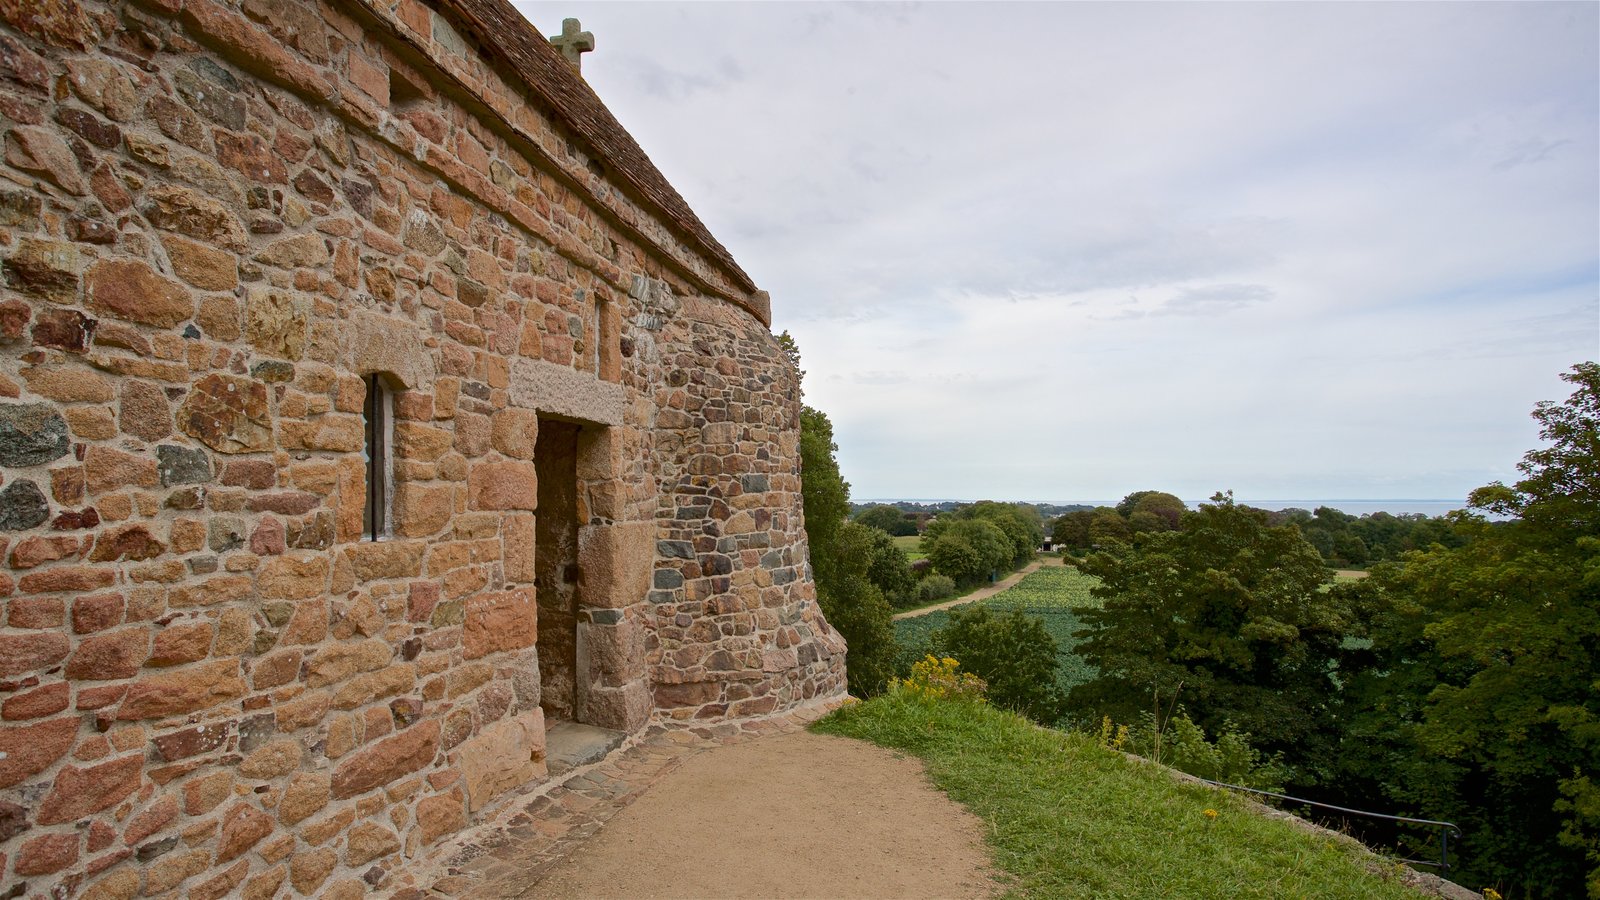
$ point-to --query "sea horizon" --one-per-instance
(1396, 506)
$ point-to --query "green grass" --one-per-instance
(1067, 818)
(912, 545)
(1053, 594)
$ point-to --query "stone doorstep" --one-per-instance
(531, 829)
(572, 745)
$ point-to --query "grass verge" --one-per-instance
(1069, 818)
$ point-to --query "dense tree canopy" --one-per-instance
(983, 538)
(1346, 540)
(887, 519)
(966, 549)
(1228, 615)
(824, 493)
(1023, 527)
(1151, 511)
(1105, 526)
(1460, 682)
(1071, 530)
(1341, 538)
(890, 570)
(1490, 656)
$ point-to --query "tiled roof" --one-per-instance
(502, 29)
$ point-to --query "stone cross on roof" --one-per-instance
(573, 43)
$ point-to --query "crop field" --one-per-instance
(1053, 594)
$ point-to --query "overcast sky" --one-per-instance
(1068, 251)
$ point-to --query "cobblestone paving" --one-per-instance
(507, 856)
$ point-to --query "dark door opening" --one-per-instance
(556, 567)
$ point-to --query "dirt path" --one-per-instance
(985, 592)
(791, 815)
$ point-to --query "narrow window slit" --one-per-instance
(374, 516)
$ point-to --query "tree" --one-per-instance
(1126, 505)
(858, 609)
(966, 549)
(1013, 652)
(1107, 527)
(1343, 539)
(824, 494)
(1020, 522)
(1227, 610)
(1496, 661)
(842, 553)
(1072, 529)
(887, 519)
(1143, 521)
(953, 556)
(1561, 489)
(1018, 525)
(1351, 549)
(889, 570)
(1154, 511)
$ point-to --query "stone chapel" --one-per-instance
(370, 407)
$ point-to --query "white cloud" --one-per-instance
(1073, 250)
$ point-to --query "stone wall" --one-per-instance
(216, 219)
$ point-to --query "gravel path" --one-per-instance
(750, 808)
(985, 592)
(791, 815)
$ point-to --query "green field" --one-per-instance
(1053, 594)
(912, 545)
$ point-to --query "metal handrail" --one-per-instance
(1445, 828)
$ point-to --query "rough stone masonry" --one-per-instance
(367, 400)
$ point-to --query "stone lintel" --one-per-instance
(379, 343)
(561, 391)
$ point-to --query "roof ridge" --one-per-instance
(498, 26)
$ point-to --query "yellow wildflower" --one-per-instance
(936, 678)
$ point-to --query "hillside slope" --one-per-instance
(1069, 818)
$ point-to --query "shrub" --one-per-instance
(1013, 652)
(937, 678)
(935, 587)
(1180, 743)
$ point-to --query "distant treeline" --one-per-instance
(1342, 539)
(913, 517)
(1346, 540)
